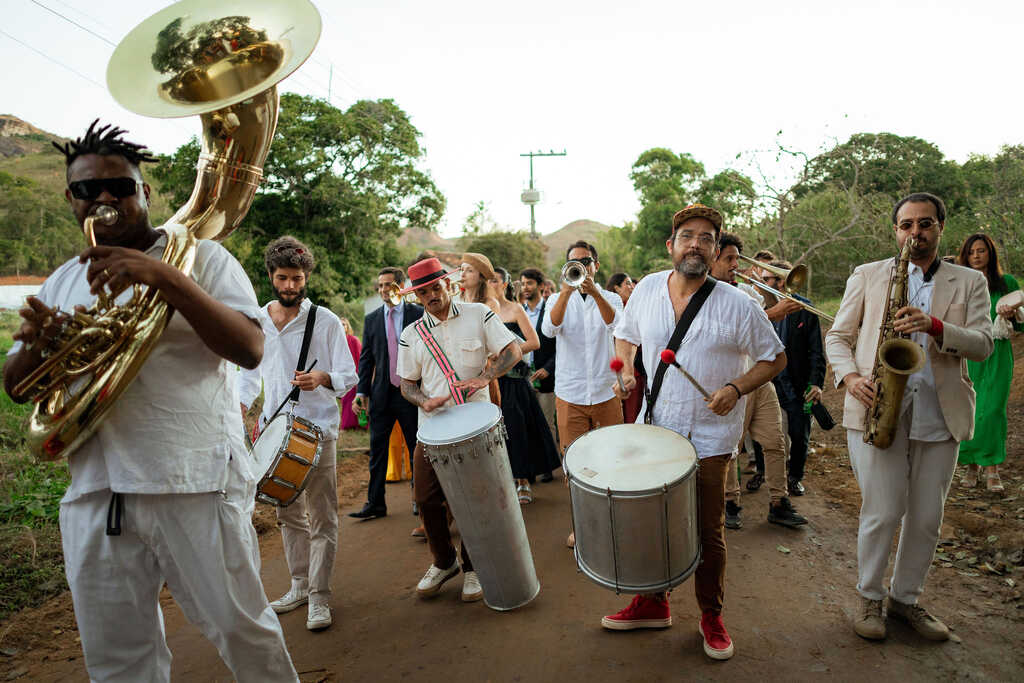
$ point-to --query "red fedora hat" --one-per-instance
(423, 273)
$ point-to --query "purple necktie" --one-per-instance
(389, 325)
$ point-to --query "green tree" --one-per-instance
(512, 251)
(344, 182)
(37, 229)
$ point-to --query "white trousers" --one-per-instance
(204, 546)
(905, 484)
(309, 526)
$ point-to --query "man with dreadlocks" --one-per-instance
(162, 491)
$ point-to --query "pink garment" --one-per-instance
(349, 419)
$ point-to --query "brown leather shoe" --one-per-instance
(869, 622)
(919, 619)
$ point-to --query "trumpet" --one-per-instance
(773, 296)
(795, 278)
(574, 273)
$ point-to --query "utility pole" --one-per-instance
(531, 196)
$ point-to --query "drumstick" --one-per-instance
(616, 365)
(668, 356)
(289, 396)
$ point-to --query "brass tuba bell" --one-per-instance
(220, 60)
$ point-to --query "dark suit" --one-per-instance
(800, 332)
(544, 357)
(386, 401)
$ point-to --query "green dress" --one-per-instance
(991, 379)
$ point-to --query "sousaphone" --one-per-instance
(222, 61)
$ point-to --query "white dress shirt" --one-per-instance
(583, 348)
(328, 347)
(920, 397)
(467, 336)
(729, 329)
(177, 424)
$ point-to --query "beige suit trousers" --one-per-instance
(902, 486)
(763, 421)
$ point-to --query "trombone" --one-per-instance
(394, 298)
(772, 296)
(795, 279)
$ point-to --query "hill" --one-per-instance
(560, 239)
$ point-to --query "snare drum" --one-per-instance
(466, 446)
(286, 453)
(633, 492)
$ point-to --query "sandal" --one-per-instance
(571, 541)
(993, 483)
(970, 480)
(754, 483)
(524, 494)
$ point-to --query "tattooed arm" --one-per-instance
(413, 394)
(499, 365)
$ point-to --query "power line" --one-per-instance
(48, 57)
(75, 23)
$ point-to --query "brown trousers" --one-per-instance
(709, 579)
(763, 421)
(433, 512)
(576, 420)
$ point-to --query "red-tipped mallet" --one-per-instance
(616, 365)
(669, 357)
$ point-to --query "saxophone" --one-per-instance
(896, 359)
(204, 61)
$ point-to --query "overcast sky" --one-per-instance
(485, 82)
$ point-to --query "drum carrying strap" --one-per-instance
(293, 395)
(689, 313)
(435, 350)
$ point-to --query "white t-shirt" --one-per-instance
(730, 328)
(176, 426)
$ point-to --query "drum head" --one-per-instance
(269, 442)
(458, 423)
(630, 457)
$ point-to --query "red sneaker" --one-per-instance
(717, 643)
(643, 612)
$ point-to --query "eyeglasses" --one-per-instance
(924, 224)
(92, 188)
(706, 239)
(585, 260)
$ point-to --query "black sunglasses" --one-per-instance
(585, 260)
(92, 188)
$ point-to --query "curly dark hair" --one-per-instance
(288, 252)
(730, 239)
(104, 141)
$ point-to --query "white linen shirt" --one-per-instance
(469, 334)
(328, 346)
(920, 397)
(583, 348)
(729, 329)
(177, 424)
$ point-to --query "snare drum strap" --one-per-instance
(442, 361)
(689, 313)
(307, 337)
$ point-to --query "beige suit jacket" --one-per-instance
(960, 300)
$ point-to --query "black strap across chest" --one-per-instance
(307, 337)
(685, 320)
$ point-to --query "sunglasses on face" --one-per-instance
(92, 188)
(585, 260)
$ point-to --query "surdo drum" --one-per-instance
(633, 492)
(466, 446)
(285, 453)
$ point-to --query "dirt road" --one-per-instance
(788, 613)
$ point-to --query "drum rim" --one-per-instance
(466, 437)
(632, 493)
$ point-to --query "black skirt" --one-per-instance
(531, 447)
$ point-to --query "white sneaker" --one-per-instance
(471, 590)
(434, 578)
(296, 597)
(318, 617)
